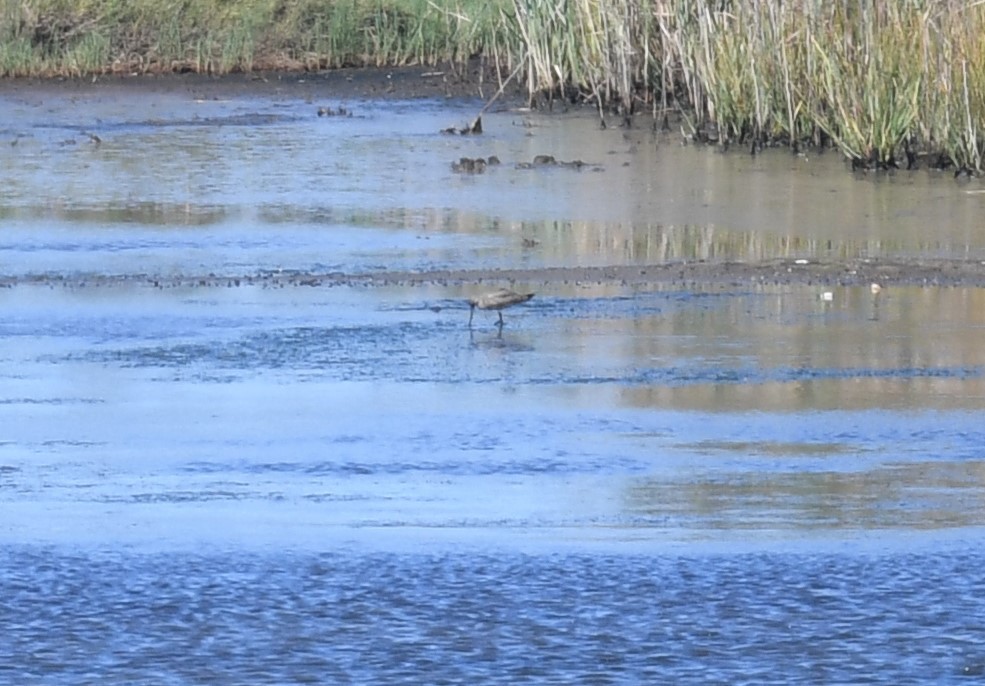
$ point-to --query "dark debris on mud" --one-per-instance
(885, 273)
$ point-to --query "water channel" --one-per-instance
(215, 468)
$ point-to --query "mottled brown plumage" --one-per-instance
(497, 300)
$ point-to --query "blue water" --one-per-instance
(209, 474)
(113, 616)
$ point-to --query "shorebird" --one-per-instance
(497, 300)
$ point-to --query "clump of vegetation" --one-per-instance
(883, 82)
(56, 37)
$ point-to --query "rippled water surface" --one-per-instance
(503, 619)
(214, 470)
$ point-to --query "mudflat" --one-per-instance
(885, 273)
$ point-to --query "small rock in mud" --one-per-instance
(475, 128)
(329, 112)
(469, 165)
(550, 161)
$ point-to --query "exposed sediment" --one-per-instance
(886, 273)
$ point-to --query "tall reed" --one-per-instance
(869, 84)
(877, 79)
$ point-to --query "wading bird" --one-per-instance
(497, 300)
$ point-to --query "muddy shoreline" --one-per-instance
(862, 272)
(411, 82)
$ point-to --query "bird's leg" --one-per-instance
(471, 314)
(500, 319)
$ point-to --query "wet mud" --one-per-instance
(870, 272)
(409, 82)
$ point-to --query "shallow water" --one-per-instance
(268, 482)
